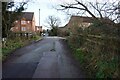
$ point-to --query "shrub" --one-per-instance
(97, 49)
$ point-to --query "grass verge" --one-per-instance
(12, 44)
(98, 66)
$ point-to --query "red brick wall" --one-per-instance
(29, 26)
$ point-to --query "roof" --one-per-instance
(87, 19)
(82, 18)
(79, 19)
(27, 15)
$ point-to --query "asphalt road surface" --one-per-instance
(48, 58)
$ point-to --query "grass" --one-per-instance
(36, 37)
(99, 61)
(99, 56)
(12, 44)
(0, 51)
(98, 67)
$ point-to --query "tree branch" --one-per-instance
(97, 10)
(79, 3)
(66, 7)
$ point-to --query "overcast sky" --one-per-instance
(46, 9)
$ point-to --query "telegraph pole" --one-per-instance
(39, 22)
(39, 17)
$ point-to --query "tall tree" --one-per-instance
(9, 15)
(54, 23)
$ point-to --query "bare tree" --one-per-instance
(53, 21)
(103, 9)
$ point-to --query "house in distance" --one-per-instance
(76, 22)
(25, 24)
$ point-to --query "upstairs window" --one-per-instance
(28, 21)
(12, 29)
(23, 22)
(16, 21)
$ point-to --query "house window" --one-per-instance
(23, 22)
(89, 24)
(28, 21)
(12, 29)
(37, 28)
(23, 28)
(16, 21)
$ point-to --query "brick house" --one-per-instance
(38, 29)
(25, 23)
(79, 21)
(75, 22)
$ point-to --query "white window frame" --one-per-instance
(16, 21)
(23, 22)
(28, 21)
(12, 29)
(37, 29)
(23, 29)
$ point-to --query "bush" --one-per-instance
(35, 37)
(79, 55)
(97, 49)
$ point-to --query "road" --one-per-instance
(48, 58)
